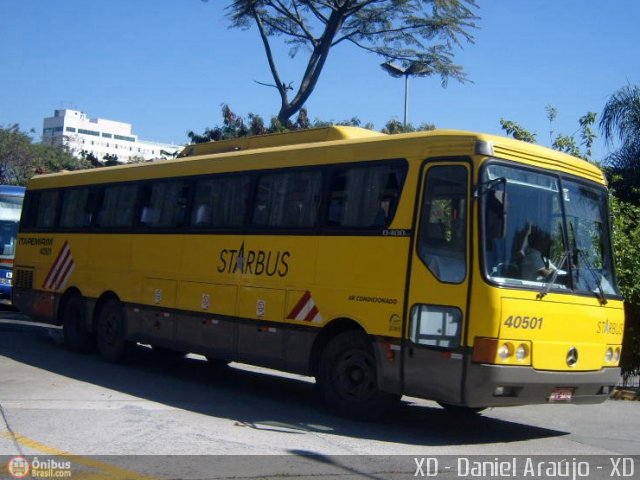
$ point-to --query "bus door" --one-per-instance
(433, 353)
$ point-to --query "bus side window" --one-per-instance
(74, 205)
(220, 202)
(364, 196)
(436, 326)
(47, 209)
(117, 206)
(288, 199)
(442, 231)
(164, 204)
(30, 209)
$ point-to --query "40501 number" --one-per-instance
(532, 323)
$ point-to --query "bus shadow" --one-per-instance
(251, 398)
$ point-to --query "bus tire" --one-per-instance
(347, 378)
(111, 332)
(77, 336)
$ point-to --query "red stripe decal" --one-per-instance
(53, 267)
(312, 314)
(64, 276)
(60, 267)
(299, 306)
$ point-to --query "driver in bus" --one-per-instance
(535, 262)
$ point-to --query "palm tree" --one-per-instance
(621, 120)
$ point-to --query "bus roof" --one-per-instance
(312, 135)
(445, 142)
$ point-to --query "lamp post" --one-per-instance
(416, 69)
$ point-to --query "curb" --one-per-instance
(625, 394)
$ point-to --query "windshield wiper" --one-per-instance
(602, 297)
(554, 276)
(488, 186)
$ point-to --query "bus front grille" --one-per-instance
(23, 279)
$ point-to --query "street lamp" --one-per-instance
(416, 69)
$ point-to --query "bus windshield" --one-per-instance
(549, 234)
(10, 207)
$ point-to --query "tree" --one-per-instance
(16, 162)
(563, 143)
(552, 114)
(110, 160)
(395, 126)
(20, 158)
(626, 244)
(621, 119)
(234, 126)
(568, 143)
(405, 31)
(587, 134)
(140, 158)
(517, 131)
(90, 158)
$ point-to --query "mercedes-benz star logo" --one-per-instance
(572, 356)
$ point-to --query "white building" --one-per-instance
(78, 133)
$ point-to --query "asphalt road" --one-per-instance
(57, 402)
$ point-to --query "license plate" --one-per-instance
(561, 395)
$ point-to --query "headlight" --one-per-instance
(608, 356)
(616, 355)
(522, 352)
(505, 351)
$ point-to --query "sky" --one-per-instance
(166, 66)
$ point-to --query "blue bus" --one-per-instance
(11, 198)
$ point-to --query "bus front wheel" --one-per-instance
(77, 336)
(347, 378)
(111, 331)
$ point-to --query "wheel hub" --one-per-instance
(354, 376)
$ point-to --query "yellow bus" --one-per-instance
(465, 268)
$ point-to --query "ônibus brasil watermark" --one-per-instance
(21, 467)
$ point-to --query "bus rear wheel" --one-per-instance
(111, 332)
(77, 336)
(347, 378)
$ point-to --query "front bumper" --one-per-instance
(525, 385)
